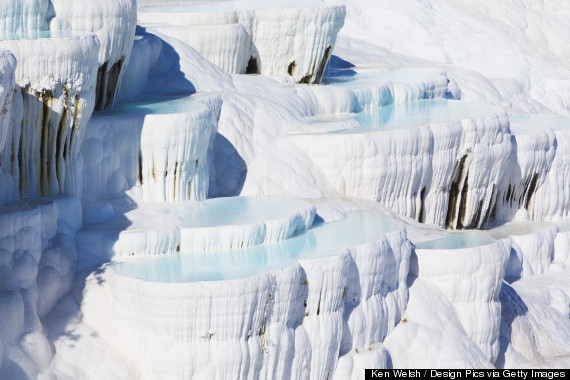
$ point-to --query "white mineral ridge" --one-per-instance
(532, 309)
(532, 247)
(45, 63)
(278, 296)
(285, 40)
(441, 331)
(561, 258)
(227, 45)
(164, 65)
(159, 146)
(470, 279)
(113, 22)
(552, 197)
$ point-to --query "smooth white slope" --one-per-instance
(158, 150)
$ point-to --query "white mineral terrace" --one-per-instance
(292, 292)
(222, 223)
(545, 154)
(158, 146)
(286, 39)
(450, 163)
(405, 84)
(532, 247)
(476, 263)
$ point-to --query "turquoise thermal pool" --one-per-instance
(408, 115)
(321, 240)
(457, 240)
(160, 106)
(240, 210)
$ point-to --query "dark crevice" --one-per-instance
(530, 190)
(508, 197)
(44, 146)
(140, 168)
(463, 203)
(421, 216)
(252, 67)
(306, 79)
(59, 147)
(175, 179)
(319, 305)
(475, 221)
(292, 68)
(112, 83)
(100, 87)
(21, 180)
(454, 191)
(323, 65)
(492, 210)
(107, 82)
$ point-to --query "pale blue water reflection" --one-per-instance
(325, 239)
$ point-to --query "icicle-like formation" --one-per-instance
(10, 113)
(162, 149)
(532, 247)
(56, 89)
(114, 22)
(551, 199)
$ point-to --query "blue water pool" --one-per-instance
(324, 239)
(457, 240)
(164, 105)
(418, 113)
